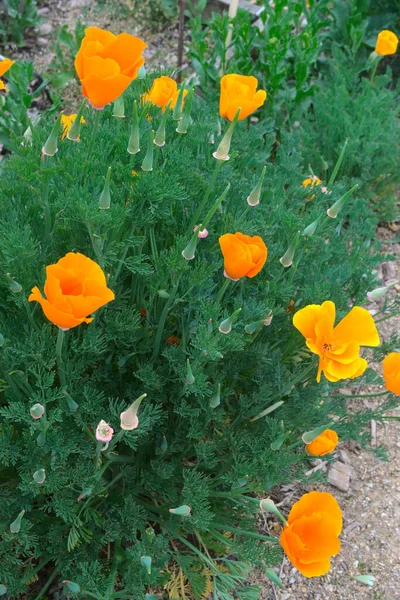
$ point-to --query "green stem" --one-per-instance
(60, 362)
(124, 253)
(374, 68)
(359, 395)
(30, 315)
(205, 197)
(163, 318)
(35, 570)
(388, 317)
(223, 289)
(91, 142)
(251, 534)
(47, 212)
(47, 584)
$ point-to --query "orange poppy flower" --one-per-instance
(391, 372)
(337, 347)
(66, 122)
(386, 43)
(75, 287)
(106, 64)
(323, 444)
(240, 91)
(244, 256)
(311, 536)
(5, 64)
(173, 340)
(163, 91)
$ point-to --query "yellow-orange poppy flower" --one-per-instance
(323, 444)
(163, 91)
(338, 347)
(391, 372)
(244, 256)
(240, 91)
(66, 123)
(75, 288)
(5, 64)
(386, 43)
(106, 64)
(311, 536)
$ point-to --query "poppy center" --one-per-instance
(327, 347)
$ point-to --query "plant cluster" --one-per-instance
(16, 16)
(168, 348)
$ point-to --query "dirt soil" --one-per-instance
(371, 507)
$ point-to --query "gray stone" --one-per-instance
(45, 29)
(339, 476)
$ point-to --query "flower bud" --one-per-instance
(311, 229)
(72, 587)
(134, 140)
(163, 294)
(129, 418)
(119, 107)
(252, 327)
(72, 405)
(3, 589)
(334, 210)
(37, 411)
(105, 196)
(184, 123)
(254, 197)
(16, 525)
(150, 534)
(159, 139)
(189, 375)
(41, 439)
(188, 253)
(75, 130)
(146, 562)
(40, 476)
(104, 432)
(268, 505)
(226, 325)
(142, 72)
(164, 444)
(1, 340)
(287, 258)
(243, 481)
(182, 511)
(147, 164)
(272, 576)
(203, 233)
(14, 286)
(379, 292)
(222, 152)
(50, 147)
(312, 435)
(177, 113)
(365, 579)
(216, 398)
(28, 136)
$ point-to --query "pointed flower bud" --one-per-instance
(146, 562)
(269, 505)
(184, 123)
(312, 435)
(74, 131)
(28, 136)
(226, 325)
(164, 444)
(254, 197)
(365, 579)
(177, 113)
(203, 233)
(16, 525)
(72, 405)
(105, 196)
(40, 476)
(50, 147)
(41, 439)
(272, 576)
(222, 152)
(379, 292)
(287, 258)
(252, 327)
(334, 210)
(134, 140)
(3, 590)
(311, 229)
(189, 375)
(163, 294)
(159, 139)
(150, 534)
(119, 107)
(189, 252)
(216, 398)
(129, 418)
(72, 587)
(147, 164)
(1, 340)
(182, 511)
(142, 72)
(13, 285)
(37, 411)
(104, 432)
